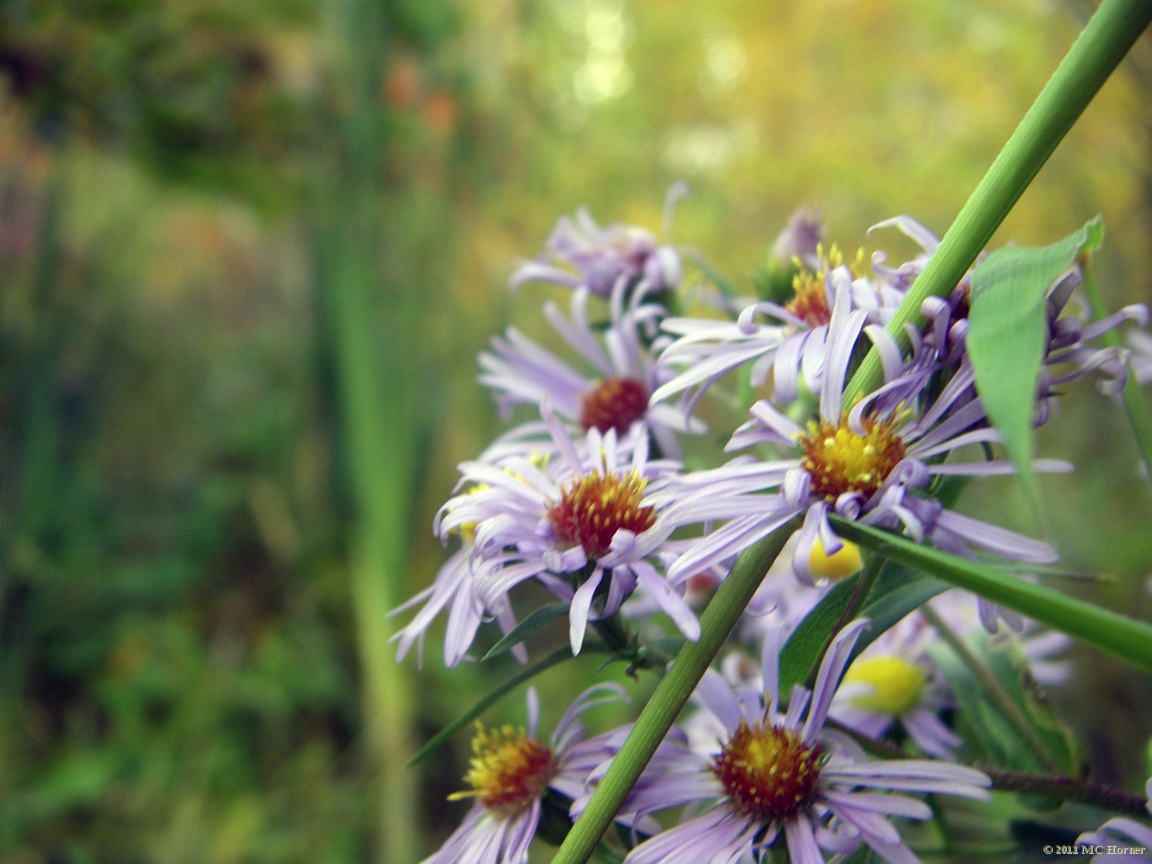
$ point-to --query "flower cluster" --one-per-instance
(592, 498)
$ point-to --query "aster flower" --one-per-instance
(1122, 839)
(895, 681)
(778, 776)
(511, 773)
(612, 259)
(868, 465)
(611, 391)
(591, 525)
(793, 340)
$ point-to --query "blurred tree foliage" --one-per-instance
(179, 679)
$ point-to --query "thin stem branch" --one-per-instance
(1056, 786)
(996, 692)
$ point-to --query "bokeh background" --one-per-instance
(248, 252)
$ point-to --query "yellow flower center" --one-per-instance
(841, 460)
(809, 302)
(508, 771)
(614, 403)
(768, 772)
(810, 298)
(594, 507)
(897, 685)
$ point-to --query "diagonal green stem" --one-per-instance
(721, 615)
(992, 687)
(1101, 46)
(1126, 638)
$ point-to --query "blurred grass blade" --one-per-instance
(1008, 331)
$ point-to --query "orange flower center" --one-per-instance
(594, 507)
(841, 460)
(508, 771)
(810, 302)
(615, 403)
(768, 772)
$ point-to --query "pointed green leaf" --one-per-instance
(539, 618)
(1008, 332)
(1126, 638)
(898, 590)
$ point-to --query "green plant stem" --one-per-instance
(992, 687)
(673, 691)
(1139, 415)
(1126, 638)
(1101, 46)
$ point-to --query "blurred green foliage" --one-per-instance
(180, 678)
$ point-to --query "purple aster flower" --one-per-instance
(895, 681)
(610, 392)
(607, 260)
(591, 525)
(452, 590)
(868, 465)
(778, 776)
(1122, 839)
(510, 774)
(791, 344)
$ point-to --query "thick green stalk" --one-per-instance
(1101, 46)
(721, 615)
(1126, 638)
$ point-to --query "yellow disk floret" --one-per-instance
(897, 685)
(508, 770)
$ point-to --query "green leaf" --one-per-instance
(1008, 334)
(539, 618)
(898, 590)
(992, 736)
(1124, 637)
